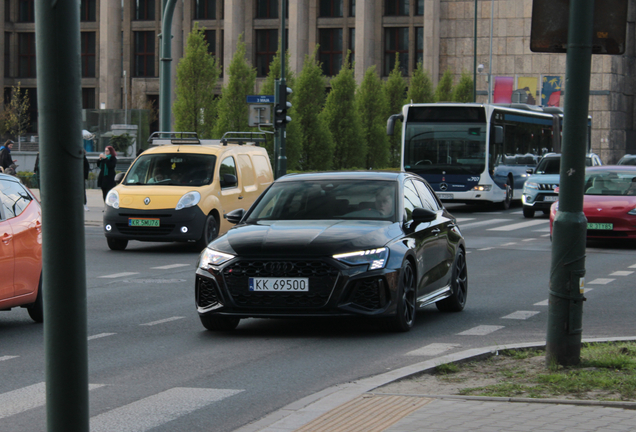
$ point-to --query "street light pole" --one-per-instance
(492, 9)
(166, 61)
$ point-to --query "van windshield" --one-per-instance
(180, 169)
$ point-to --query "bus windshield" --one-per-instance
(451, 148)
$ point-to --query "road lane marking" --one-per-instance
(483, 249)
(546, 301)
(170, 266)
(480, 330)
(520, 315)
(153, 411)
(545, 235)
(464, 219)
(530, 239)
(621, 273)
(543, 230)
(174, 318)
(601, 281)
(519, 225)
(509, 244)
(116, 275)
(3, 358)
(26, 398)
(484, 222)
(100, 335)
(432, 349)
(632, 266)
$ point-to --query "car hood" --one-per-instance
(306, 238)
(594, 205)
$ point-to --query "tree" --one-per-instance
(232, 108)
(16, 114)
(463, 92)
(197, 73)
(343, 121)
(395, 92)
(421, 87)
(371, 104)
(309, 100)
(444, 89)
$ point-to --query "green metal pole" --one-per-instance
(565, 316)
(166, 61)
(475, 57)
(281, 133)
(57, 32)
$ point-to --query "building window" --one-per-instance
(144, 10)
(266, 8)
(330, 8)
(420, 7)
(352, 8)
(144, 54)
(7, 11)
(419, 48)
(26, 55)
(396, 7)
(330, 54)
(88, 54)
(352, 45)
(7, 54)
(25, 11)
(88, 98)
(87, 10)
(266, 46)
(205, 9)
(210, 38)
(396, 40)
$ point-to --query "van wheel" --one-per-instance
(116, 244)
(36, 310)
(210, 231)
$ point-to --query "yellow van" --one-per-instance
(181, 191)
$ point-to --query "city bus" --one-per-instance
(472, 152)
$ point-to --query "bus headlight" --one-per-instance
(482, 188)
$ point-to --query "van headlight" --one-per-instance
(375, 258)
(112, 199)
(188, 200)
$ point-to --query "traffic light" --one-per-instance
(280, 113)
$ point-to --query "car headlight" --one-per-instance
(531, 185)
(482, 188)
(211, 258)
(632, 212)
(112, 199)
(188, 200)
(375, 258)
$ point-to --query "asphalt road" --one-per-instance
(154, 367)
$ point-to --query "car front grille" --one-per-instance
(370, 294)
(164, 229)
(547, 186)
(322, 278)
(206, 293)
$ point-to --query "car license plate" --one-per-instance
(550, 198)
(136, 222)
(445, 196)
(279, 284)
(600, 226)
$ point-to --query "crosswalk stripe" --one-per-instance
(432, 349)
(8, 357)
(116, 275)
(100, 335)
(520, 315)
(464, 219)
(174, 318)
(601, 281)
(621, 273)
(481, 223)
(543, 230)
(481, 330)
(157, 409)
(170, 266)
(26, 398)
(518, 225)
(546, 302)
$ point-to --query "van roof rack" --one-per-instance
(244, 138)
(176, 138)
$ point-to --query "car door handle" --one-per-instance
(436, 231)
(6, 238)
(240, 197)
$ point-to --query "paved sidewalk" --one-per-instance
(95, 202)
(361, 406)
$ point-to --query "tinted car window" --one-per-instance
(428, 199)
(181, 169)
(610, 183)
(549, 165)
(228, 166)
(14, 198)
(411, 200)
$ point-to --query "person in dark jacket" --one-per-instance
(5, 155)
(106, 163)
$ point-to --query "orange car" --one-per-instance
(20, 248)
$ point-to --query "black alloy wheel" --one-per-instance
(459, 286)
(210, 232)
(528, 212)
(405, 312)
(509, 193)
(36, 310)
(219, 322)
(116, 244)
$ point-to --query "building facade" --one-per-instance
(121, 40)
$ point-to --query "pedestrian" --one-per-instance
(5, 155)
(87, 170)
(107, 162)
(36, 170)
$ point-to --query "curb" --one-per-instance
(303, 411)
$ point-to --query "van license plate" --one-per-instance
(445, 196)
(136, 222)
(279, 284)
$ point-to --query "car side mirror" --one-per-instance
(119, 177)
(234, 216)
(530, 171)
(423, 215)
(229, 180)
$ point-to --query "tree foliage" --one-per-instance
(233, 110)
(395, 92)
(421, 86)
(372, 106)
(16, 117)
(343, 121)
(463, 91)
(309, 100)
(444, 89)
(194, 107)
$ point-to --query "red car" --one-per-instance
(609, 203)
(20, 248)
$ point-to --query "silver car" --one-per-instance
(539, 189)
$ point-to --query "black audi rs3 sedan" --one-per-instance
(369, 244)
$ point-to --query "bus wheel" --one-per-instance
(509, 191)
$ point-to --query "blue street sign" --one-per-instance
(260, 99)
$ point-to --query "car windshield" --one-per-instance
(327, 199)
(549, 165)
(611, 183)
(627, 161)
(181, 169)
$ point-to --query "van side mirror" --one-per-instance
(229, 180)
(234, 216)
(119, 177)
(499, 134)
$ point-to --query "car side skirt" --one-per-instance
(434, 297)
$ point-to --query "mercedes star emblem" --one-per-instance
(443, 186)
